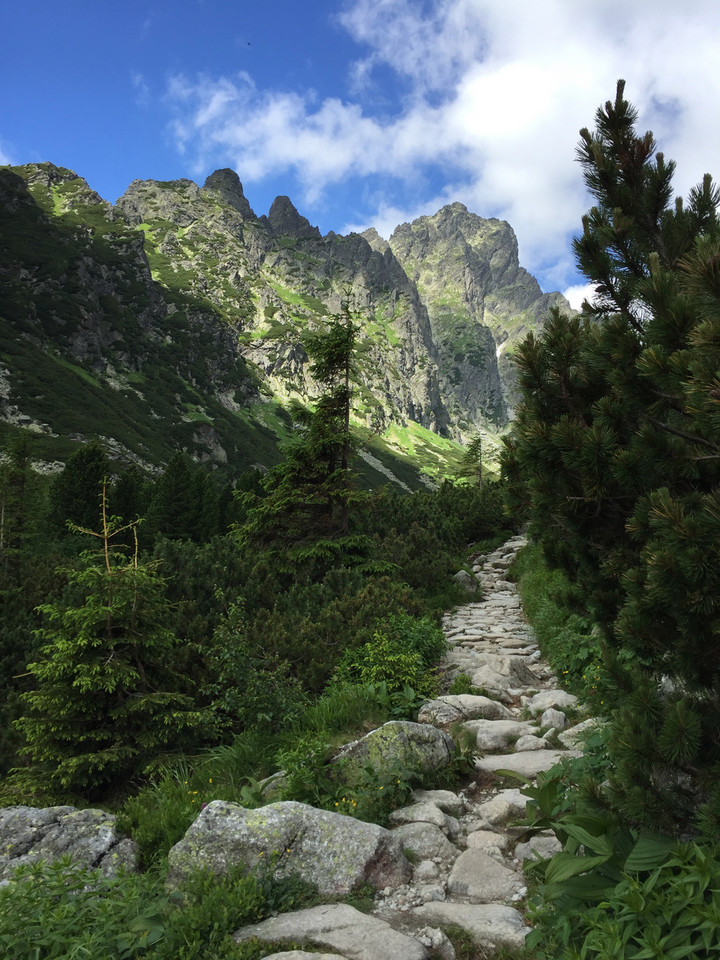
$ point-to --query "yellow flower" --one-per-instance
(210, 780)
(382, 788)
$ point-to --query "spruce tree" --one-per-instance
(107, 703)
(615, 455)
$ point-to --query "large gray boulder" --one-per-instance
(340, 927)
(88, 837)
(413, 746)
(330, 850)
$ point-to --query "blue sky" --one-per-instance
(364, 112)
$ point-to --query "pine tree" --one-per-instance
(106, 702)
(615, 453)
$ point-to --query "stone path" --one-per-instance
(468, 862)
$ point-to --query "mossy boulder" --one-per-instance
(416, 747)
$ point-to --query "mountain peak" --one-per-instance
(284, 219)
(226, 185)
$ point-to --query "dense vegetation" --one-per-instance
(615, 461)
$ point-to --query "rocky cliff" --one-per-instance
(175, 320)
(480, 301)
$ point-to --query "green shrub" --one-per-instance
(564, 631)
(399, 657)
(64, 911)
(209, 909)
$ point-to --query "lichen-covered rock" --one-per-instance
(88, 837)
(332, 851)
(413, 746)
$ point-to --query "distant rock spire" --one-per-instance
(283, 219)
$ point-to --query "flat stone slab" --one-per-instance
(456, 707)
(531, 742)
(527, 763)
(354, 935)
(489, 924)
(481, 879)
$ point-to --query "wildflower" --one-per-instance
(382, 788)
(210, 780)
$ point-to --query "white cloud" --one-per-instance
(4, 156)
(577, 294)
(493, 94)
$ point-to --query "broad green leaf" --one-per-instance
(649, 852)
(565, 865)
(599, 845)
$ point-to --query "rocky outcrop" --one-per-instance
(88, 837)
(330, 850)
(225, 185)
(284, 220)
